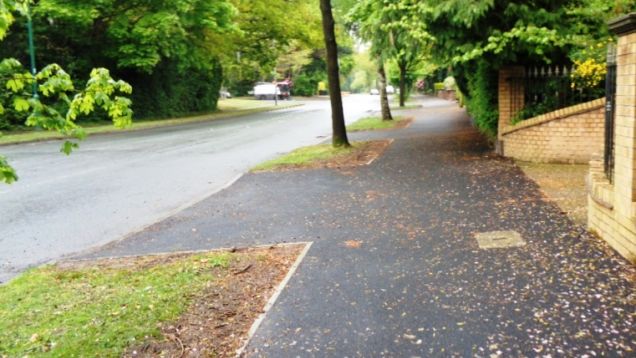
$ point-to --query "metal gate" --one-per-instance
(610, 109)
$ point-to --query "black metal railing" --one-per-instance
(610, 109)
(545, 89)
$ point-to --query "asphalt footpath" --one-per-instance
(395, 269)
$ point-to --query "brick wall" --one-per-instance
(568, 135)
(612, 207)
(509, 101)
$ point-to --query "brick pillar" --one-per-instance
(625, 126)
(510, 100)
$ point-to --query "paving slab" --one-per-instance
(396, 270)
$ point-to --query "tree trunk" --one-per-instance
(402, 84)
(384, 98)
(333, 74)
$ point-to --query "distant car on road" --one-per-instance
(264, 90)
(390, 89)
(225, 94)
(374, 92)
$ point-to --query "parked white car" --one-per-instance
(374, 92)
(264, 90)
(390, 89)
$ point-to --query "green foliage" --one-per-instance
(396, 31)
(277, 38)
(477, 38)
(135, 34)
(364, 74)
(97, 312)
(306, 83)
(59, 104)
(169, 92)
(438, 86)
(7, 173)
(173, 44)
(481, 100)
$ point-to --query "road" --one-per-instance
(120, 183)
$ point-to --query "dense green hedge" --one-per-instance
(482, 99)
(306, 83)
(170, 92)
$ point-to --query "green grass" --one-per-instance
(97, 312)
(306, 156)
(227, 108)
(374, 123)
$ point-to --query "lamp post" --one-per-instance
(32, 52)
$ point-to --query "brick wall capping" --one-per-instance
(555, 115)
(623, 25)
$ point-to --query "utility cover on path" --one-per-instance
(499, 239)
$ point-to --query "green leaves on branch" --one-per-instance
(101, 92)
(59, 104)
(7, 173)
(536, 40)
(6, 18)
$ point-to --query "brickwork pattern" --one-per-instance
(569, 135)
(507, 105)
(611, 209)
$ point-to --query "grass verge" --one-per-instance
(376, 123)
(305, 156)
(326, 156)
(97, 312)
(227, 108)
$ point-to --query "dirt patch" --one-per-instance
(405, 123)
(353, 244)
(217, 322)
(564, 184)
(364, 153)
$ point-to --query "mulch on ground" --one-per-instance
(405, 123)
(217, 322)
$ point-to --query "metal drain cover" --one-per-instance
(499, 239)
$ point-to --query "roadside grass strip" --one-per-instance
(326, 156)
(95, 311)
(227, 108)
(376, 123)
(305, 156)
(168, 305)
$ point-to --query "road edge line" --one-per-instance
(272, 300)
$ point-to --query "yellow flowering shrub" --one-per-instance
(587, 74)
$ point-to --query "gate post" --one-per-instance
(510, 99)
(625, 126)
(611, 205)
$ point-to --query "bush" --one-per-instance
(438, 86)
(480, 97)
(170, 92)
(306, 84)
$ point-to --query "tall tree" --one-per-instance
(339, 137)
(384, 99)
(396, 31)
